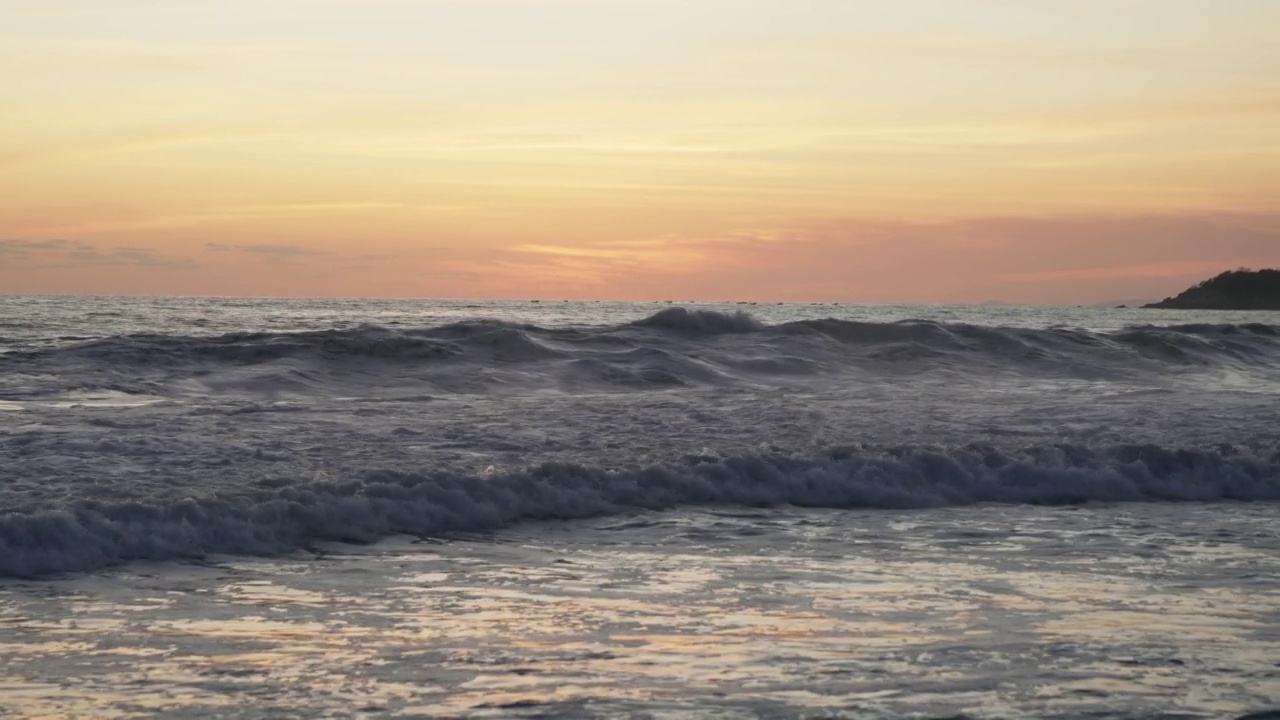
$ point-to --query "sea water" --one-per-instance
(357, 508)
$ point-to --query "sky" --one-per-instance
(928, 151)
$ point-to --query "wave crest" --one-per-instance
(708, 322)
(677, 347)
(89, 535)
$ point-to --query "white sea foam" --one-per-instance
(85, 535)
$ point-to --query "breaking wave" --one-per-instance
(708, 322)
(87, 535)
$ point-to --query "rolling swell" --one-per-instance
(366, 342)
(87, 535)
(676, 347)
(1180, 344)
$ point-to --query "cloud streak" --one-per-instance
(1066, 260)
(278, 251)
(1063, 259)
(63, 253)
(25, 248)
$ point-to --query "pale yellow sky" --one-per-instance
(1055, 151)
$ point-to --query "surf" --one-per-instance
(86, 534)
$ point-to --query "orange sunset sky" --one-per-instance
(1039, 151)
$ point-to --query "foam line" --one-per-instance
(88, 535)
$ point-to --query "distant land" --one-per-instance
(1132, 303)
(1232, 290)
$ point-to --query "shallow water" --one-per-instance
(1131, 611)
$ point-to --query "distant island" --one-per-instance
(1232, 290)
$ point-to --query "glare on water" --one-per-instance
(995, 612)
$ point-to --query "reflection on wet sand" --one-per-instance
(1009, 612)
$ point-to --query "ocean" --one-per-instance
(229, 507)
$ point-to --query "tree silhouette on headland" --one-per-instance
(1241, 289)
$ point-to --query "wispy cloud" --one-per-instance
(1061, 259)
(1055, 259)
(133, 256)
(63, 253)
(278, 251)
(26, 248)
